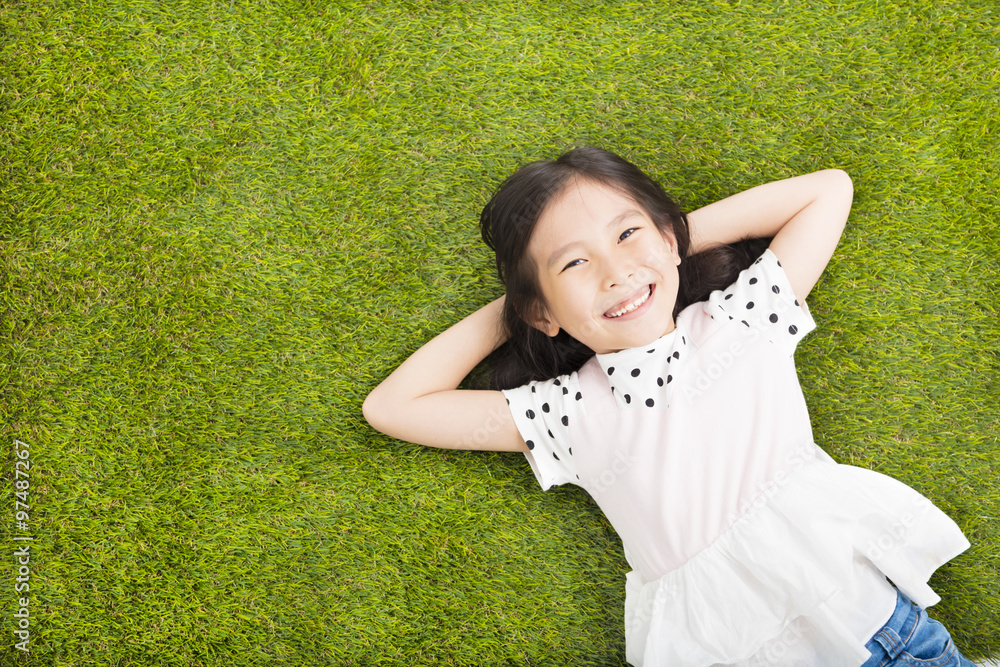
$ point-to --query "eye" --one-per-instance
(627, 233)
(575, 262)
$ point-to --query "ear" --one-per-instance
(543, 321)
(672, 247)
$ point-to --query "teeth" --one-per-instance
(632, 306)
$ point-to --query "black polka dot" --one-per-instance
(565, 390)
(677, 355)
(773, 318)
(776, 289)
(545, 407)
(649, 402)
(753, 281)
(571, 451)
(731, 317)
(530, 414)
(635, 372)
(670, 378)
(684, 340)
(779, 263)
(745, 322)
(793, 329)
(550, 434)
(532, 389)
(508, 401)
(530, 444)
(651, 351)
(565, 420)
(611, 370)
(628, 399)
(729, 296)
(659, 382)
(554, 456)
(557, 383)
(749, 305)
(796, 302)
(579, 396)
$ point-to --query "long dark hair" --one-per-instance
(508, 221)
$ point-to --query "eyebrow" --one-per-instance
(573, 244)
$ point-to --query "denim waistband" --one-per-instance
(889, 641)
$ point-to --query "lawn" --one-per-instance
(223, 222)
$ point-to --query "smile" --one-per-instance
(635, 302)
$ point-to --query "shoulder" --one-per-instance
(557, 394)
(761, 298)
(547, 414)
(546, 408)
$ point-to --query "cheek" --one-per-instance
(553, 300)
(672, 274)
(569, 300)
(572, 302)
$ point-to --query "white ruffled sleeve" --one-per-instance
(762, 299)
(544, 413)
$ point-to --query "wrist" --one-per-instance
(493, 313)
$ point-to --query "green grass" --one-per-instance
(224, 222)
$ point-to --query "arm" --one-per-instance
(805, 215)
(419, 402)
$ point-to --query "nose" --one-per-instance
(619, 273)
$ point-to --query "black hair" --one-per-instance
(508, 221)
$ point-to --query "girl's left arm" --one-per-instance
(805, 215)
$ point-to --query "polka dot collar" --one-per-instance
(641, 377)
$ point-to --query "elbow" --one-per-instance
(848, 181)
(838, 192)
(846, 190)
(374, 411)
(842, 183)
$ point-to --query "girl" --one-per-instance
(643, 365)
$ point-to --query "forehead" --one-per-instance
(583, 199)
(581, 206)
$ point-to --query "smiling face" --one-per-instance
(607, 274)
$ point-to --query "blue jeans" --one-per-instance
(912, 638)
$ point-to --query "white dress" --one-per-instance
(748, 544)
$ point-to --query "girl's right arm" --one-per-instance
(420, 402)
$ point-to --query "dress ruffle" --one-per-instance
(776, 568)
